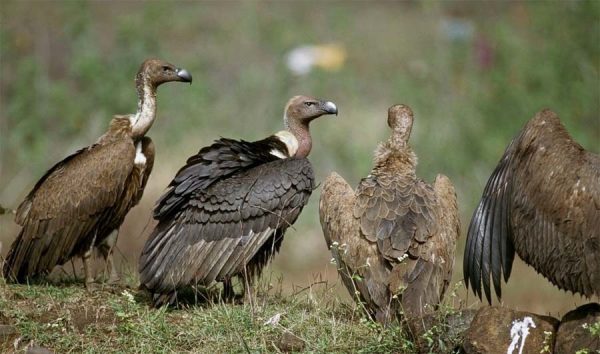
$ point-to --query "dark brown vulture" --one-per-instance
(226, 211)
(82, 199)
(542, 201)
(393, 239)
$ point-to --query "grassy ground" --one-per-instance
(66, 318)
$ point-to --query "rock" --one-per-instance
(289, 342)
(6, 331)
(34, 349)
(575, 330)
(506, 331)
(436, 332)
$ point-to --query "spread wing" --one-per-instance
(542, 200)
(221, 228)
(489, 248)
(218, 161)
(66, 204)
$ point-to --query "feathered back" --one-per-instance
(213, 163)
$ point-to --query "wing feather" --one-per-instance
(222, 159)
(233, 218)
(360, 264)
(65, 206)
(486, 232)
(542, 202)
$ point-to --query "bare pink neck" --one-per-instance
(302, 134)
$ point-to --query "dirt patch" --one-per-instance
(100, 317)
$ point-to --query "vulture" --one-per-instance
(542, 201)
(394, 239)
(225, 212)
(81, 200)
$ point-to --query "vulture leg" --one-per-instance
(87, 269)
(73, 267)
(228, 292)
(106, 248)
(248, 287)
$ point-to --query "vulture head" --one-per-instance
(156, 72)
(400, 120)
(299, 112)
(304, 109)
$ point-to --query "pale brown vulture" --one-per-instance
(542, 201)
(393, 239)
(82, 199)
(226, 211)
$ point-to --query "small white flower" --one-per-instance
(273, 321)
(128, 296)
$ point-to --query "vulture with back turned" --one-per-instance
(542, 201)
(226, 211)
(84, 198)
(393, 239)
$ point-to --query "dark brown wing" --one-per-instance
(220, 160)
(489, 248)
(219, 230)
(65, 206)
(360, 265)
(543, 199)
(397, 213)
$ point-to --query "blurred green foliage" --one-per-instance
(473, 74)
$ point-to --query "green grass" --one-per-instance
(66, 318)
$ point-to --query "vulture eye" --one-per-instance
(308, 104)
(165, 68)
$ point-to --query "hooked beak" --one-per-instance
(329, 107)
(184, 75)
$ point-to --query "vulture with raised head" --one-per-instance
(226, 211)
(393, 239)
(82, 199)
(542, 201)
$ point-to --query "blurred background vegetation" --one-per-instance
(473, 73)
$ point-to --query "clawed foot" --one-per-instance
(90, 286)
(114, 279)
